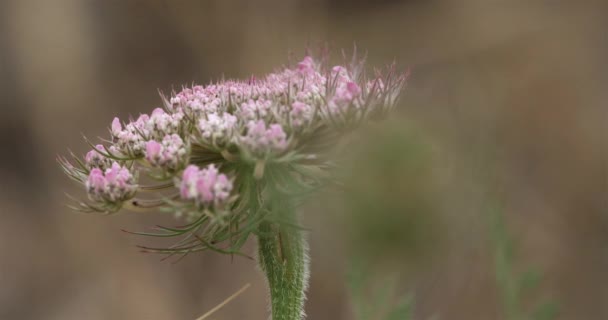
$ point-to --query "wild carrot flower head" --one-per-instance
(201, 153)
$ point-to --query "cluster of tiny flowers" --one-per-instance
(207, 187)
(347, 93)
(130, 140)
(170, 154)
(261, 140)
(255, 109)
(116, 184)
(94, 159)
(162, 124)
(253, 122)
(301, 114)
(217, 129)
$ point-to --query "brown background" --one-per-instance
(510, 96)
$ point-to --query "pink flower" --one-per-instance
(94, 159)
(300, 113)
(339, 73)
(116, 127)
(142, 120)
(206, 187)
(261, 120)
(157, 112)
(153, 149)
(353, 89)
(255, 109)
(203, 187)
(114, 185)
(260, 141)
(307, 65)
(96, 182)
(111, 173)
(170, 154)
(160, 123)
(222, 187)
(129, 140)
(188, 185)
(276, 136)
(217, 129)
(346, 94)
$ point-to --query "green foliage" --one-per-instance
(390, 195)
(514, 286)
(376, 300)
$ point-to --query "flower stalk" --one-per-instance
(284, 260)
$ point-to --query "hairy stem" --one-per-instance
(283, 258)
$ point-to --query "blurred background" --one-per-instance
(505, 111)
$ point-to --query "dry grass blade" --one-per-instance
(223, 303)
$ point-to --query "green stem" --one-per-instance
(284, 260)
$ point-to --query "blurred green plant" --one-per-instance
(389, 202)
(393, 219)
(390, 217)
(376, 300)
(514, 286)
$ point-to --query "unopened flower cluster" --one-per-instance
(202, 137)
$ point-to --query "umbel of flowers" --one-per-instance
(231, 159)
